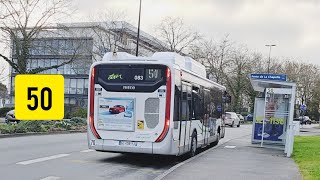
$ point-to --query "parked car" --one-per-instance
(117, 109)
(240, 117)
(249, 117)
(305, 120)
(10, 117)
(232, 119)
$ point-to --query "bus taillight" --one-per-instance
(168, 105)
(91, 112)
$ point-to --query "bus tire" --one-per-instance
(223, 132)
(218, 138)
(193, 148)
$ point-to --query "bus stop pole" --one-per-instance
(290, 132)
(264, 117)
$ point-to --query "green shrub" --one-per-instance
(32, 126)
(7, 129)
(79, 112)
(78, 121)
(4, 110)
(21, 128)
(63, 125)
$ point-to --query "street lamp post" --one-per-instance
(138, 35)
(270, 46)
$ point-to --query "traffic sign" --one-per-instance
(269, 77)
(39, 97)
(303, 107)
(219, 108)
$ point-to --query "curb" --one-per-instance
(164, 174)
(38, 133)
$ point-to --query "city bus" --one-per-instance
(162, 104)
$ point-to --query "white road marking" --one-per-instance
(88, 150)
(230, 147)
(164, 174)
(50, 178)
(42, 159)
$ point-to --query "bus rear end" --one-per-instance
(129, 108)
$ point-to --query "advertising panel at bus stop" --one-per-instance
(275, 119)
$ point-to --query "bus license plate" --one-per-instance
(128, 143)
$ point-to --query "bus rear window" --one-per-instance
(143, 78)
(130, 75)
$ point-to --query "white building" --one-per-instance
(85, 43)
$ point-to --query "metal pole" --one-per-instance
(138, 36)
(269, 45)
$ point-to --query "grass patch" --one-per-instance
(306, 153)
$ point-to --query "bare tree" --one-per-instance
(24, 22)
(3, 94)
(110, 32)
(3, 75)
(213, 55)
(176, 34)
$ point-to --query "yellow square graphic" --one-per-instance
(39, 97)
(140, 124)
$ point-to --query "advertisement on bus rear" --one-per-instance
(116, 114)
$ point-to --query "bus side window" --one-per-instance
(207, 112)
(196, 106)
(177, 95)
(184, 104)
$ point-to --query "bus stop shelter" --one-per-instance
(273, 111)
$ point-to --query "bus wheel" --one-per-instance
(218, 138)
(193, 149)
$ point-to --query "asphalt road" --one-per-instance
(66, 156)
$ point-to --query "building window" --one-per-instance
(80, 84)
(41, 64)
(73, 86)
(86, 86)
(72, 101)
(66, 86)
(54, 62)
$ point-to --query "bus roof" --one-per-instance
(185, 63)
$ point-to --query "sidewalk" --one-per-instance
(241, 162)
(310, 130)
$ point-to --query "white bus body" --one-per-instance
(157, 105)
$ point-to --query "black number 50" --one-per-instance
(35, 98)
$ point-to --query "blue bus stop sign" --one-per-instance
(303, 107)
(219, 108)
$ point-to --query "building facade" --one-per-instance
(83, 44)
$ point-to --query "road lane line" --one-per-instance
(167, 172)
(87, 150)
(50, 178)
(42, 159)
(164, 174)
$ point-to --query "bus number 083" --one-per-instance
(44, 91)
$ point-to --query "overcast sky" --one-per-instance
(293, 25)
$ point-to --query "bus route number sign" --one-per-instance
(39, 97)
